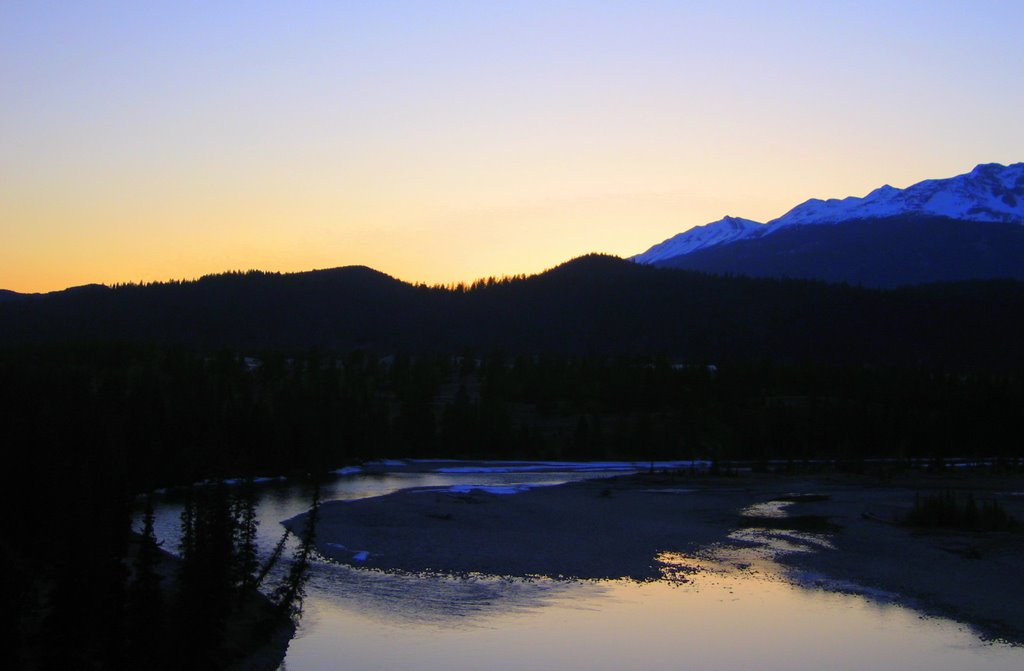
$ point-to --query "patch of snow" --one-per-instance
(724, 230)
(386, 463)
(490, 489)
(531, 468)
(362, 555)
(990, 193)
(436, 461)
(348, 470)
(570, 466)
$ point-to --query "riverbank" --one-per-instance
(256, 637)
(618, 527)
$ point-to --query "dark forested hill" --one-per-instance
(595, 304)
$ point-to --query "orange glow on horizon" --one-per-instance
(167, 142)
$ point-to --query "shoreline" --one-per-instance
(614, 528)
(247, 651)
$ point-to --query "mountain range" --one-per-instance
(970, 226)
(949, 252)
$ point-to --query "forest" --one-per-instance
(596, 304)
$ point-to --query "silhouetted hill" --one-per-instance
(888, 252)
(595, 304)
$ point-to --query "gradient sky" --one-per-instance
(445, 141)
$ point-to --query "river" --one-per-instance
(707, 615)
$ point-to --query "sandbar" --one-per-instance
(620, 527)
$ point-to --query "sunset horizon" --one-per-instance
(445, 143)
(416, 280)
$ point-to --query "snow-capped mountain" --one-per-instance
(989, 193)
(708, 235)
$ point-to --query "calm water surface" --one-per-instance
(728, 609)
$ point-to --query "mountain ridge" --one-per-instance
(991, 192)
(884, 253)
(969, 226)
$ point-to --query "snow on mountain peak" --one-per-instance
(991, 192)
(726, 229)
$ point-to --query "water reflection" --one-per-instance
(729, 607)
(768, 509)
(720, 616)
(434, 600)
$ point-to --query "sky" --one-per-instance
(447, 141)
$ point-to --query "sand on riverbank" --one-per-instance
(618, 527)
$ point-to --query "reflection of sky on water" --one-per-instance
(728, 608)
(722, 616)
(773, 509)
(434, 600)
(770, 543)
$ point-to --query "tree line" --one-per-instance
(592, 305)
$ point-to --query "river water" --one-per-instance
(721, 610)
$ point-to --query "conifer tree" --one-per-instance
(145, 598)
(246, 561)
(289, 595)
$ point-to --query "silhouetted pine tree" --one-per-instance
(145, 600)
(246, 561)
(204, 580)
(289, 594)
